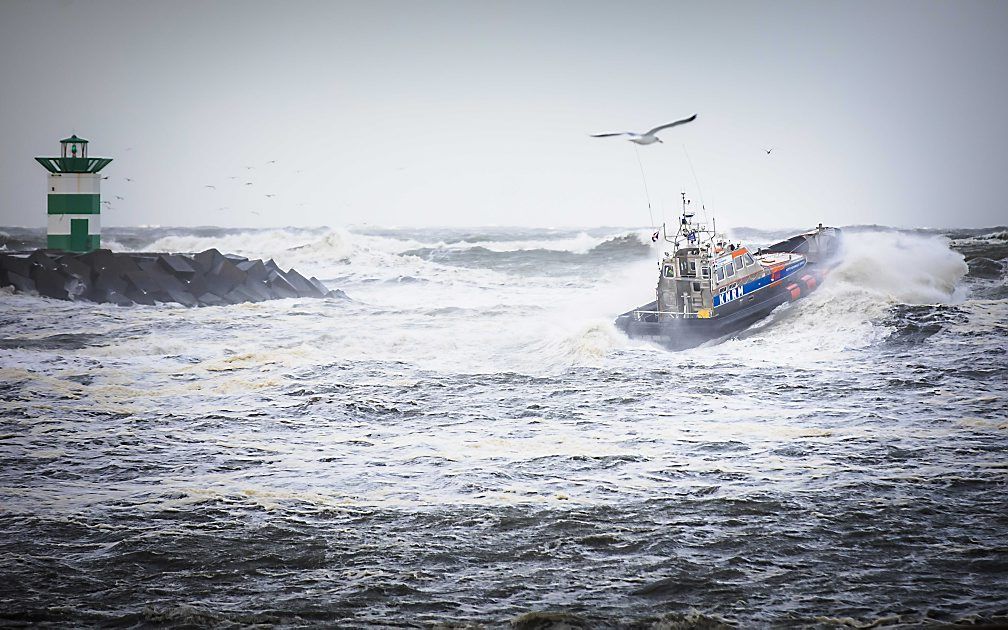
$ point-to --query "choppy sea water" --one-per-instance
(468, 440)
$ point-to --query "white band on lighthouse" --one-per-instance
(60, 223)
(75, 184)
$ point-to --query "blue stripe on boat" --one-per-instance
(756, 284)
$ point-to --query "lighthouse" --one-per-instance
(73, 192)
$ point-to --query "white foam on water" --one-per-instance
(479, 320)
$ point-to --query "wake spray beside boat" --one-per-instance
(709, 288)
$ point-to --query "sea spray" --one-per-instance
(901, 267)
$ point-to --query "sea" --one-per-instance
(467, 441)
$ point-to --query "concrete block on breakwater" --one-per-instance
(208, 278)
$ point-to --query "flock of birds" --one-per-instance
(109, 205)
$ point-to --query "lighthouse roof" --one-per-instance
(73, 138)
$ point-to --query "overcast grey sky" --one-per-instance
(478, 113)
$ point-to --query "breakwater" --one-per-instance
(208, 278)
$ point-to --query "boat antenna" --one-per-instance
(696, 180)
(647, 195)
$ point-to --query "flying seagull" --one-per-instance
(769, 150)
(647, 137)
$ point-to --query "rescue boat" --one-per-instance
(710, 288)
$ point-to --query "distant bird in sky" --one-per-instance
(118, 197)
(249, 168)
(248, 183)
(769, 150)
(271, 162)
(106, 177)
(233, 177)
(128, 179)
(648, 137)
(255, 212)
(210, 186)
(271, 195)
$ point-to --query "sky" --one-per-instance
(479, 113)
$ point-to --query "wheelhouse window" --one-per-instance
(720, 274)
(729, 271)
(705, 272)
(749, 259)
(738, 263)
(669, 271)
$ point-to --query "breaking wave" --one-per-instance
(383, 254)
(900, 267)
(540, 257)
(334, 245)
(17, 239)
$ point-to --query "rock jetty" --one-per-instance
(205, 279)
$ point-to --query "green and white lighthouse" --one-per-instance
(74, 197)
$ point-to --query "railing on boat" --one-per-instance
(659, 315)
